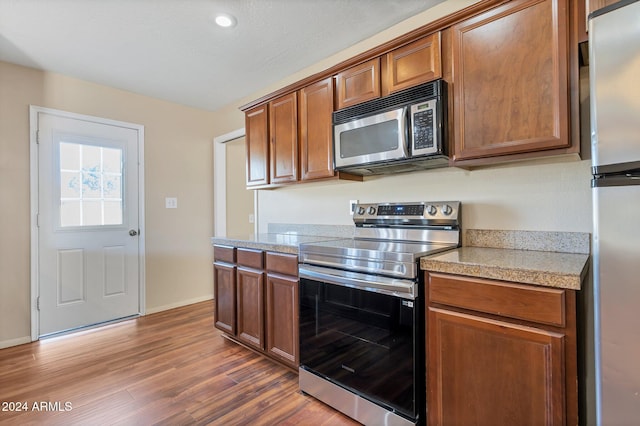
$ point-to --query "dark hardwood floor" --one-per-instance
(170, 368)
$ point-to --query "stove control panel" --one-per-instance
(419, 213)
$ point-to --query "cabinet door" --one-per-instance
(282, 318)
(257, 143)
(358, 84)
(250, 299)
(283, 129)
(224, 293)
(410, 65)
(488, 372)
(316, 141)
(511, 80)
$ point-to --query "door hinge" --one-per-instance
(38, 303)
(37, 220)
(37, 136)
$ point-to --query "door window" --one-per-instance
(90, 185)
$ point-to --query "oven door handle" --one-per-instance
(405, 289)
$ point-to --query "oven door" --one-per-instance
(371, 139)
(363, 339)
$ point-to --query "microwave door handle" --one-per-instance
(406, 125)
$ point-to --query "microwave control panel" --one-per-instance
(423, 119)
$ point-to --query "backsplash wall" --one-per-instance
(539, 196)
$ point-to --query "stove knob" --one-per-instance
(431, 210)
(446, 210)
(372, 210)
(360, 210)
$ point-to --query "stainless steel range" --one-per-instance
(362, 311)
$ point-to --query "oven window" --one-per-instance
(371, 139)
(361, 340)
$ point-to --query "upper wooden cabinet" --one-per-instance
(407, 66)
(295, 143)
(316, 141)
(283, 130)
(358, 84)
(257, 144)
(510, 80)
(513, 90)
(410, 65)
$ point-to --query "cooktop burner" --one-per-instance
(389, 238)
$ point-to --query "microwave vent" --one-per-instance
(424, 91)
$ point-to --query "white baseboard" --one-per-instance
(179, 304)
(15, 342)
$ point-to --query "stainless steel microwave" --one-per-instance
(404, 131)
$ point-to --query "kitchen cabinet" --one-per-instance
(358, 84)
(407, 66)
(316, 137)
(282, 307)
(410, 65)
(283, 131)
(289, 139)
(257, 145)
(256, 300)
(513, 89)
(250, 297)
(224, 288)
(511, 81)
(500, 352)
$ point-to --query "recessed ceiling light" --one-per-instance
(225, 20)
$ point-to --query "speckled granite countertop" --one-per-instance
(550, 259)
(286, 237)
(283, 243)
(549, 269)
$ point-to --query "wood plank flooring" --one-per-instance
(169, 368)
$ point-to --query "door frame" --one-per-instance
(220, 183)
(34, 192)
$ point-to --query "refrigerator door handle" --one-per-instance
(628, 179)
(631, 167)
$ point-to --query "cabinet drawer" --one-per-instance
(250, 258)
(224, 253)
(529, 303)
(280, 263)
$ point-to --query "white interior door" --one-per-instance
(88, 224)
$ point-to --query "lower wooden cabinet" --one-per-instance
(256, 300)
(250, 297)
(500, 353)
(224, 288)
(282, 307)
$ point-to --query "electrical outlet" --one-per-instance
(171, 203)
(352, 206)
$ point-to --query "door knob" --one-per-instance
(133, 232)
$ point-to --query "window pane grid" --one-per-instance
(90, 185)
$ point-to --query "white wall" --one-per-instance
(525, 196)
(178, 154)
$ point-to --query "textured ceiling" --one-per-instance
(171, 49)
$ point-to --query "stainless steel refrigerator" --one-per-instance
(614, 78)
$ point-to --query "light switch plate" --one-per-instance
(171, 203)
